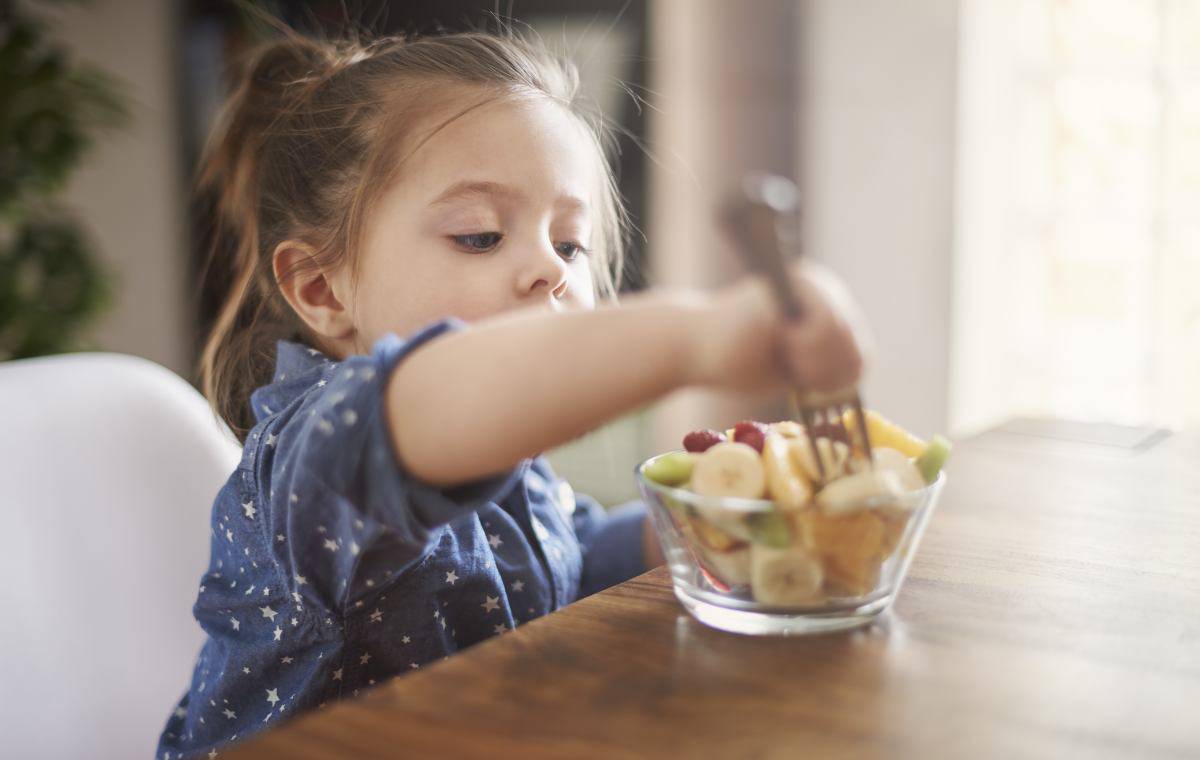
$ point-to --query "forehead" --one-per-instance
(532, 144)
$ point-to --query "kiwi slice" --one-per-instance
(933, 458)
(770, 529)
(672, 469)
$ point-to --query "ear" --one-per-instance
(318, 296)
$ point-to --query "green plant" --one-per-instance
(50, 107)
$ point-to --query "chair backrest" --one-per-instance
(109, 465)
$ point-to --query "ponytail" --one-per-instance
(238, 354)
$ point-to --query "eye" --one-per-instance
(478, 242)
(569, 251)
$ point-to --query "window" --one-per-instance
(1077, 284)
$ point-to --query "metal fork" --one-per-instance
(763, 220)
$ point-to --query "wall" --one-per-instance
(878, 98)
(855, 99)
(723, 84)
(129, 193)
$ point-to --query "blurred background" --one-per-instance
(1009, 188)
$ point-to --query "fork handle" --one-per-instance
(755, 219)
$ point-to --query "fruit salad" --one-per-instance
(762, 519)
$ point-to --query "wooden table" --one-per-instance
(1053, 610)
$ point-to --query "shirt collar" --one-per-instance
(297, 368)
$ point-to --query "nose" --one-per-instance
(542, 271)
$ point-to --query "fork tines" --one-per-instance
(823, 415)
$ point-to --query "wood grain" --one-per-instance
(1053, 610)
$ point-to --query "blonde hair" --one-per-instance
(309, 140)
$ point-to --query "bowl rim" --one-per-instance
(738, 504)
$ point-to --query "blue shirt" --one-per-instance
(333, 569)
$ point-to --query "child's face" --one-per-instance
(493, 213)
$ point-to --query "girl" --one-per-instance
(417, 232)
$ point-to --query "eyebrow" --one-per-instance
(469, 189)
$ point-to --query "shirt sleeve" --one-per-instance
(339, 483)
(611, 543)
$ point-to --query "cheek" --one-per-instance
(469, 290)
(582, 286)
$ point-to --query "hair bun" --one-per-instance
(282, 64)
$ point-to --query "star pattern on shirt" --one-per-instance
(319, 520)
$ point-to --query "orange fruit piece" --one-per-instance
(851, 546)
(894, 523)
(885, 433)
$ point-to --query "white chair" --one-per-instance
(108, 469)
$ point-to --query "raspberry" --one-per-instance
(751, 433)
(702, 440)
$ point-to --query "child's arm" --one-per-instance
(480, 400)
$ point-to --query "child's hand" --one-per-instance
(745, 343)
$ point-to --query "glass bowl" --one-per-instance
(743, 565)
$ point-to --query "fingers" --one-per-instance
(822, 356)
(824, 350)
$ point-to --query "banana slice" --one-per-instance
(834, 456)
(787, 485)
(730, 567)
(787, 429)
(851, 493)
(784, 577)
(724, 520)
(729, 469)
(712, 536)
(895, 461)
